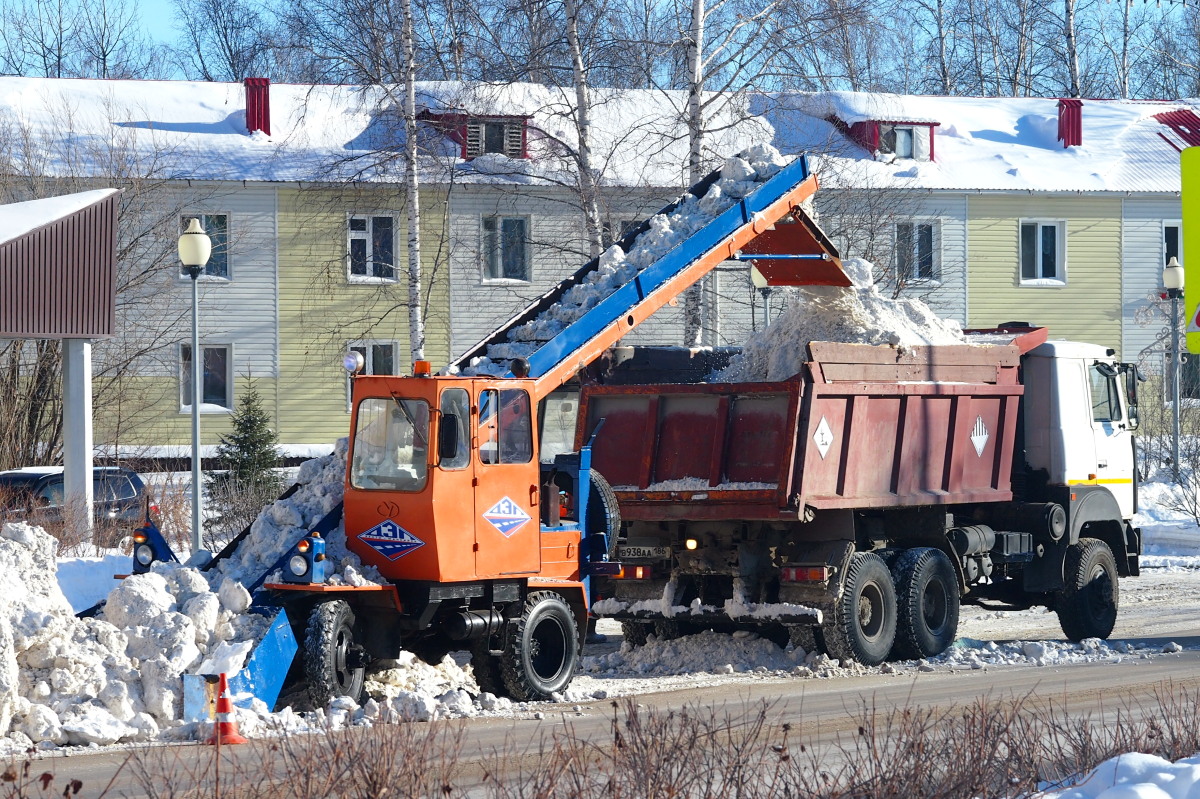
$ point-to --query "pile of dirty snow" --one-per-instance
(740, 175)
(858, 314)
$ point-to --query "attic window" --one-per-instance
(897, 139)
(504, 136)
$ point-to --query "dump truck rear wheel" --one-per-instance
(333, 663)
(1087, 605)
(542, 648)
(864, 617)
(805, 637)
(927, 603)
(636, 633)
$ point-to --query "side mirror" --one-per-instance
(1132, 378)
(448, 437)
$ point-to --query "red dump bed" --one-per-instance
(861, 426)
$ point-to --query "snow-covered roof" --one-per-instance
(198, 130)
(17, 219)
(986, 144)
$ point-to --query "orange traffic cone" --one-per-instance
(226, 729)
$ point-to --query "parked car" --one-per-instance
(35, 494)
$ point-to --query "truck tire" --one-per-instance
(486, 668)
(603, 512)
(1087, 605)
(636, 633)
(864, 616)
(927, 603)
(541, 649)
(334, 664)
(806, 638)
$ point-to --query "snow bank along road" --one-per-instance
(1000, 655)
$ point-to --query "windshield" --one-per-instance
(390, 444)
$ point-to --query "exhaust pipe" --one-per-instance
(473, 624)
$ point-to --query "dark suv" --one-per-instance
(35, 494)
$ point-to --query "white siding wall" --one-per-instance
(479, 306)
(240, 311)
(862, 224)
(1141, 275)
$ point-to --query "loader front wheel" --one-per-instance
(333, 663)
(864, 617)
(542, 648)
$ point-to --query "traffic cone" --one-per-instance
(226, 729)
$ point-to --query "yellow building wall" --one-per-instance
(321, 311)
(144, 412)
(1087, 307)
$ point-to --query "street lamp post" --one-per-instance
(194, 249)
(764, 288)
(1173, 282)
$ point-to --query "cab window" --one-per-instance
(1106, 400)
(456, 410)
(390, 444)
(505, 426)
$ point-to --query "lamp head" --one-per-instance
(1172, 276)
(195, 247)
(756, 277)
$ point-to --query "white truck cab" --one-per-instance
(1079, 419)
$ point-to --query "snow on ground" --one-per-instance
(1135, 775)
(66, 681)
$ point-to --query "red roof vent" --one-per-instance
(1185, 126)
(258, 104)
(1070, 122)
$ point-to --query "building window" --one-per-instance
(371, 248)
(1043, 252)
(613, 231)
(217, 228)
(915, 259)
(215, 378)
(1172, 241)
(379, 358)
(503, 136)
(896, 139)
(506, 248)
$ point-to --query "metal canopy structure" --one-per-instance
(58, 278)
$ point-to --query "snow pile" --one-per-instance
(703, 652)
(977, 654)
(1136, 776)
(62, 679)
(615, 267)
(857, 315)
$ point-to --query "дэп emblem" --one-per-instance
(506, 516)
(391, 540)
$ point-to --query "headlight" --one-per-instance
(298, 565)
(144, 554)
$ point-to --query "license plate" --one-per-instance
(658, 553)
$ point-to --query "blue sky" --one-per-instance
(158, 19)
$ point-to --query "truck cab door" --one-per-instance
(507, 527)
(1113, 434)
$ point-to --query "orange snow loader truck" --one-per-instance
(487, 537)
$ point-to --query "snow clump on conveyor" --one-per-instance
(740, 175)
(858, 314)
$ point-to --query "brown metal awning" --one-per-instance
(58, 279)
